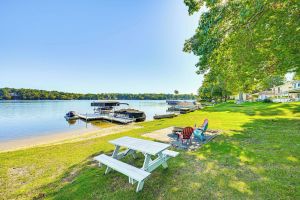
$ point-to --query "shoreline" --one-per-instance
(63, 137)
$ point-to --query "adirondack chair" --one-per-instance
(199, 132)
(186, 134)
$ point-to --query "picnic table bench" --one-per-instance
(148, 148)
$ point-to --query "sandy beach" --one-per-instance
(63, 137)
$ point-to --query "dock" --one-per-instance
(90, 117)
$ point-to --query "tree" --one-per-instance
(176, 92)
(5, 94)
(272, 81)
(296, 77)
(32, 94)
(214, 87)
(246, 42)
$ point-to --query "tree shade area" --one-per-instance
(241, 45)
(255, 157)
(32, 94)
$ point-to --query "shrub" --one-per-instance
(267, 101)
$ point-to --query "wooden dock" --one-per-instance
(89, 117)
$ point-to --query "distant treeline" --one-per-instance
(33, 94)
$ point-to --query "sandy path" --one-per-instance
(63, 137)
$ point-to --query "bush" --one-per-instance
(267, 101)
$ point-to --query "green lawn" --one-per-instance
(256, 157)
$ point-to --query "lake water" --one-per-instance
(23, 119)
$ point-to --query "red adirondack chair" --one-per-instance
(186, 134)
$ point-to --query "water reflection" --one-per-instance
(27, 118)
(101, 124)
(71, 122)
(96, 123)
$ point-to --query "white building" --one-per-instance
(265, 95)
(244, 96)
(295, 90)
(290, 91)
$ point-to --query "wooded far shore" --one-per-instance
(34, 94)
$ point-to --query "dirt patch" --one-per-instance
(72, 175)
(166, 135)
(18, 171)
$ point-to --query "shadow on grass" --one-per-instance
(260, 162)
(258, 108)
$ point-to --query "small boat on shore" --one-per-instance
(72, 115)
(164, 116)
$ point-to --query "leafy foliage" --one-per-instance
(246, 42)
(214, 87)
(32, 94)
(272, 81)
(267, 101)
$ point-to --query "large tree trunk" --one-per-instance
(241, 97)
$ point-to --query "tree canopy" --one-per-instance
(243, 43)
(32, 94)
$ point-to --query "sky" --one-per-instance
(97, 46)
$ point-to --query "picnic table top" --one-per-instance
(141, 145)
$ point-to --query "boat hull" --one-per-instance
(164, 116)
(137, 115)
(71, 118)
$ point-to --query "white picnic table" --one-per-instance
(148, 148)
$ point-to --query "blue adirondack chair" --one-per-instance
(199, 132)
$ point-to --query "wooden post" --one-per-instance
(86, 120)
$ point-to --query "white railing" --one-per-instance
(282, 100)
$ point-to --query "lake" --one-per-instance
(23, 119)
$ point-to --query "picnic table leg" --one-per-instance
(116, 151)
(164, 164)
(150, 165)
(130, 151)
(146, 162)
(132, 181)
(140, 186)
(114, 155)
(122, 154)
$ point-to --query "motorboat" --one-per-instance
(72, 115)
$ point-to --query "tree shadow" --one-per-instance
(257, 108)
(259, 162)
(294, 107)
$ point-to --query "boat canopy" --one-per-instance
(172, 102)
(181, 103)
(106, 103)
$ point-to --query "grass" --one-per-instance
(256, 157)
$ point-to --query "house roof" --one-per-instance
(266, 93)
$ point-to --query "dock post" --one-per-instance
(86, 120)
(111, 119)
